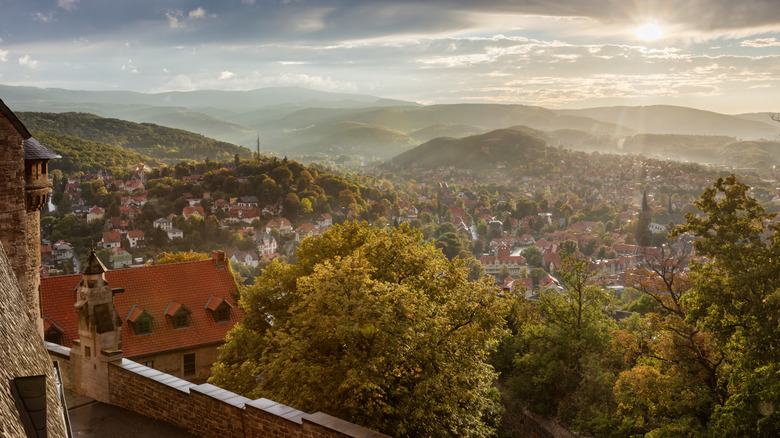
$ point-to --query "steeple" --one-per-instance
(258, 146)
(644, 212)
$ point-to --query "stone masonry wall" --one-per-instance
(209, 411)
(13, 214)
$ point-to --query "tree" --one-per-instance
(178, 257)
(677, 379)
(374, 327)
(533, 256)
(736, 298)
(560, 367)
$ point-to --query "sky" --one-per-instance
(719, 55)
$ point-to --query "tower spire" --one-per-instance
(258, 146)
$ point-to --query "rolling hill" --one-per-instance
(475, 152)
(666, 119)
(159, 142)
(88, 156)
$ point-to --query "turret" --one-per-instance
(100, 330)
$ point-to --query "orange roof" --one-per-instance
(151, 289)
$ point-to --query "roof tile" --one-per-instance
(191, 284)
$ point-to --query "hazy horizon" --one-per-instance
(715, 55)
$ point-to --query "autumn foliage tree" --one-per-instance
(374, 327)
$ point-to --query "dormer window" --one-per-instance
(179, 315)
(142, 322)
(219, 308)
(54, 333)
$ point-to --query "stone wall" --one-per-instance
(13, 214)
(207, 410)
(22, 354)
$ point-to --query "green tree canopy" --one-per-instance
(374, 327)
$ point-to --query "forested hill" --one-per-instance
(159, 142)
(476, 151)
(89, 156)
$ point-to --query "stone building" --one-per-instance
(174, 316)
(26, 372)
(24, 190)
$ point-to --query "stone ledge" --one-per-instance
(339, 425)
(220, 394)
(57, 349)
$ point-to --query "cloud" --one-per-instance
(226, 75)
(26, 61)
(761, 42)
(46, 17)
(130, 66)
(178, 19)
(68, 5)
(197, 13)
(3, 55)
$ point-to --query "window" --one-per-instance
(53, 335)
(87, 352)
(219, 308)
(148, 363)
(143, 325)
(189, 364)
(179, 315)
(222, 313)
(181, 319)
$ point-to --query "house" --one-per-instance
(248, 201)
(246, 258)
(174, 315)
(162, 223)
(283, 225)
(111, 240)
(175, 233)
(197, 211)
(120, 258)
(305, 230)
(136, 238)
(62, 250)
(221, 205)
(133, 185)
(115, 223)
(95, 213)
(266, 244)
(493, 264)
(130, 212)
(243, 213)
(325, 220)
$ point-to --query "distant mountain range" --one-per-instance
(297, 122)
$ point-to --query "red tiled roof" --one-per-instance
(151, 289)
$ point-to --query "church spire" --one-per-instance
(258, 146)
(644, 212)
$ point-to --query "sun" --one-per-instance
(649, 32)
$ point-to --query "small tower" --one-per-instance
(100, 331)
(258, 147)
(644, 212)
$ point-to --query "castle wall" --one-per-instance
(206, 410)
(14, 224)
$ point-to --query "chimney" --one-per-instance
(219, 259)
